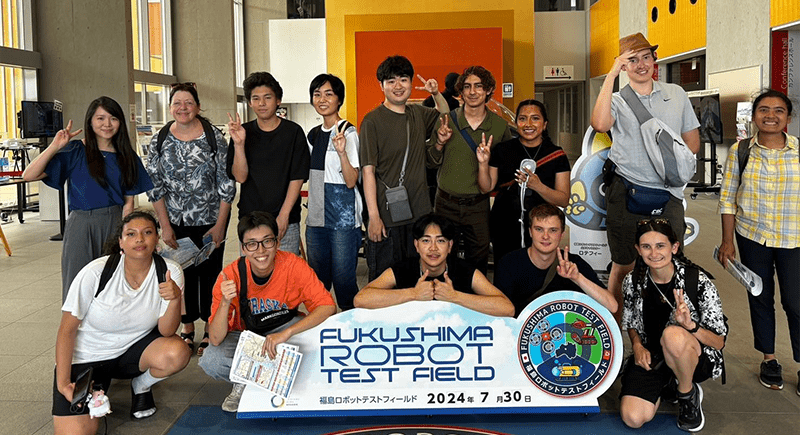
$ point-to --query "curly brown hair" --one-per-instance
(487, 80)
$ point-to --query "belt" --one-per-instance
(463, 200)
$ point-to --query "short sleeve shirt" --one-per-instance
(383, 145)
(120, 315)
(667, 102)
(84, 192)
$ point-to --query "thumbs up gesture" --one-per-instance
(168, 289)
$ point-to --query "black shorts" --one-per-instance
(125, 366)
(649, 385)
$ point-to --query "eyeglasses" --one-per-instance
(267, 243)
(653, 221)
(187, 84)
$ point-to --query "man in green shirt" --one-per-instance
(459, 197)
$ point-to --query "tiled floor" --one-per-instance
(30, 298)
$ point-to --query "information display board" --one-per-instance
(427, 358)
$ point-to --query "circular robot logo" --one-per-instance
(566, 348)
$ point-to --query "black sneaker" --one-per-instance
(669, 394)
(690, 416)
(770, 376)
(142, 405)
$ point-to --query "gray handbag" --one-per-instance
(397, 197)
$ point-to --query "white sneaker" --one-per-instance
(231, 403)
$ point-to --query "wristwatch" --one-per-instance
(696, 327)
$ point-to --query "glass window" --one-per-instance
(18, 84)
(557, 5)
(152, 48)
(690, 74)
(16, 29)
(238, 38)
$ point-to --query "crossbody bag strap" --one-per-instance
(551, 273)
(467, 138)
(630, 97)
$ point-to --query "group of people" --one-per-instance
(121, 311)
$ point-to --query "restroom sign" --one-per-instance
(559, 72)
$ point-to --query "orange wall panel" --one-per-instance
(345, 18)
(604, 37)
(449, 53)
(676, 31)
(783, 12)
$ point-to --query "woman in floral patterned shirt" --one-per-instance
(677, 339)
(192, 196)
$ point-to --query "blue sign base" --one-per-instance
(431, 411)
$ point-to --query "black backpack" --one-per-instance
(208, 129)
(113, 262)
(691, 281)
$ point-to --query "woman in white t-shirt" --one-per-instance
(126, 331)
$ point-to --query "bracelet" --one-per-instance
(696, 327)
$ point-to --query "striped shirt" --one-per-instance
(767, 203)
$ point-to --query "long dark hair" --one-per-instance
(111, 246)
(542, 110)
(126, 157)
(661, 226)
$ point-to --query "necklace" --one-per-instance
(663, 298)
(538, 148)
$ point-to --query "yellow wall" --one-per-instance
(783, 12)
(604, 42)
(346, 17)
(677, 33)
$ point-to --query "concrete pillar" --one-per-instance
(86, 53)
(257, 14)
(203, 52)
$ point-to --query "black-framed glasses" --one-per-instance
(267, 243)
(653, 221)
(188, 84)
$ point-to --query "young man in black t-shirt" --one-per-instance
(521, 273)
(434, 275)
(270, 159)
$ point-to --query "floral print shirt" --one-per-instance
(190, 181)
(708, 315)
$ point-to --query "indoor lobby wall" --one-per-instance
(257, 14)
(83, 56)
(203, 52)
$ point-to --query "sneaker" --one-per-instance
(142, 405)
(690, 416)
(231, 403)
(770, 376)
(669, 394)
(798, 383)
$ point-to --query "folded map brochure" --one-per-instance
(742, 273)
(188, 254)
(250, 367)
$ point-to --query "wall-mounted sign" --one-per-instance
(508, 90)
(559, 72)
(425, 358)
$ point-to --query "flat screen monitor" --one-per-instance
(39, 119)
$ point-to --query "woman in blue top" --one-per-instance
(104, 174)
(333, 225)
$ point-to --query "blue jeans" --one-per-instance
(765, 262)
(216, 360)
(333, 254)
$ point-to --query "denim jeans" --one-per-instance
(216, 360)
(291, 239)
(765, 262)
(333, 254)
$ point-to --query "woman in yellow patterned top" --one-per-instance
(759, 199)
